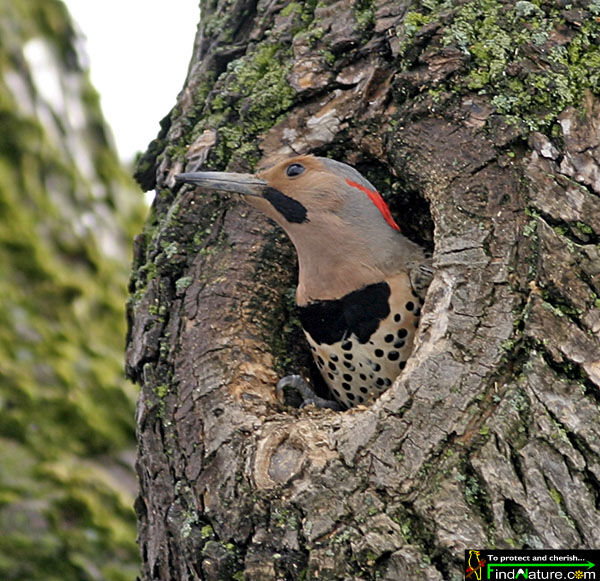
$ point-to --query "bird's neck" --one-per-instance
(336, 258)
(332, 279)
(329, 268)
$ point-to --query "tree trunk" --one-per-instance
(470, 116)
(68, 210)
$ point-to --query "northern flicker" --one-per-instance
(360, 281)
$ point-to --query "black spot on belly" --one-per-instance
(358, 313)
(290, 209)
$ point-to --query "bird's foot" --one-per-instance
(297, 393)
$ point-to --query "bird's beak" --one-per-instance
(238, 183)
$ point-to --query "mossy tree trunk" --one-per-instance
(68, 210)
(474, 117)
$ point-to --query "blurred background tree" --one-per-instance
(67, 212)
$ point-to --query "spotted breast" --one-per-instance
(361, 342)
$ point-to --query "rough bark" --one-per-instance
(490, 437)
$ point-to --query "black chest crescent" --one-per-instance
(358, 313)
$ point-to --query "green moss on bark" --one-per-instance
(533, 59)
(254, 92)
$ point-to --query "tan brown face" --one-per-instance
(327, 187)
(307, 181)
(288, 192)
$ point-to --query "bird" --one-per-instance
(361, 282)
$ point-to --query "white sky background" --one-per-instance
(139, 52)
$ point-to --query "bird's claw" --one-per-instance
(296, 392)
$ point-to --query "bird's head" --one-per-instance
(304, 190)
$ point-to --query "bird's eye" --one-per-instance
(293, 170)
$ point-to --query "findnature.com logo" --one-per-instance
(529, 565)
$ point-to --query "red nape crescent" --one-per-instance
(376, 198)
